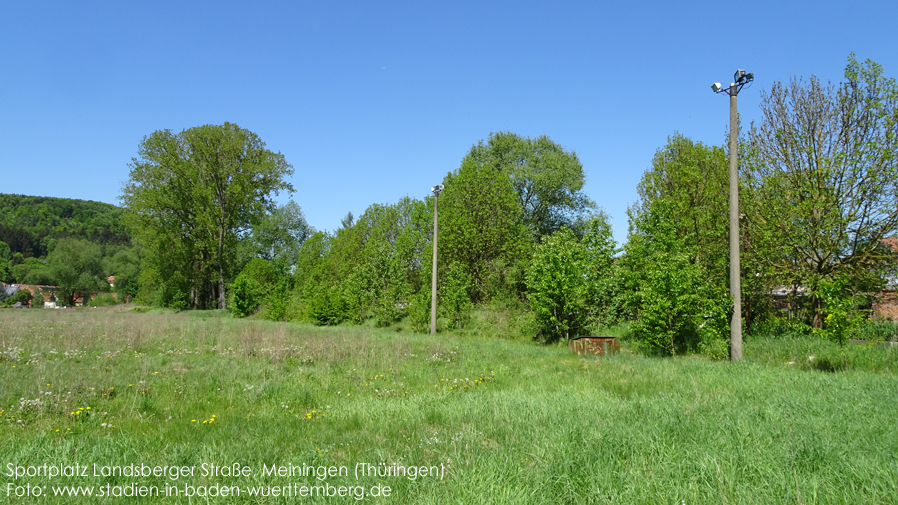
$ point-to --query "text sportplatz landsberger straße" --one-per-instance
(362, 470)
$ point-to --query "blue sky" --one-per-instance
(371, 101)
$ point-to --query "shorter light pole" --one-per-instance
(741, 79)
(433, 289)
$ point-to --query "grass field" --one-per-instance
(498, 421)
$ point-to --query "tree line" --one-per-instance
(819, 192)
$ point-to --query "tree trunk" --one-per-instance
(818, 312)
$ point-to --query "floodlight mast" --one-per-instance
(433, 288)
(740, 79)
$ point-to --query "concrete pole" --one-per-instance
(735, 272)
(433, 289)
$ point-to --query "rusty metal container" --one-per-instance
(599, 346)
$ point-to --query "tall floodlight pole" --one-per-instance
(741, 79)
(433, 288)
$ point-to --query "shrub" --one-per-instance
(245, 296)
(419, 311)
(23, 296)
(102, 300)
(556, 283)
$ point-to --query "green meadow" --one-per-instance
(217, 405)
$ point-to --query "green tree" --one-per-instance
(454, 295)
(557, 286)
(32, 271)
(693, 181)
(190, 197)
(125, 264)
(5, 263)
(479, 226)
(668, 289)
(823, 172)
(278, 236)
(76, 266)
(547, 180)
(601, 249)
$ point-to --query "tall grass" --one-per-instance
(511, 421)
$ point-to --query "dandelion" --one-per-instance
(193, 420)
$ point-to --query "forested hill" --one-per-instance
(30, 224)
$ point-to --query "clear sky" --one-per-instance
(374, 100)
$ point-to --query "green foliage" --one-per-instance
(102, 300)
(368, 270)
(5, 262)
(546, 179)
(32, 271)
(251, 287)
(776, 327)
(245, 293)
(877, 330)
(278, 302)
(557, 286)
(670, 305)
(190, 197)
(124, 264)
(599, 273)
(76, 266)
(22, 296)
(842, 313)
(454, 295)
(31, 225)
(278, 236)
(419, 311)
(669, 289)
(822, 172)
(479, 226)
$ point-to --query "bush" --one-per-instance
(419, 311)
(454, 296)
(556, 284)
(278, 302)
(245, 296)
(22, 296)
(780, 327)
(876, 330)
(102, 300)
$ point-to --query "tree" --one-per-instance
(190, 197)
(556, 283)
(278, 236)
(823, 171)
(32, 271)
(675, 266)
(546, 179)
(76, 266)
(5, 263)
(693, 180)
(479, 224)
(124, 264)
(347, 220)
(668, 289)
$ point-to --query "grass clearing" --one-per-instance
(508, 421)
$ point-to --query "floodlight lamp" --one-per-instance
(739, 75)
(437, 189)
(715, 87)
(749, 76)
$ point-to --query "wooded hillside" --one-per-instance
(30, 224)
